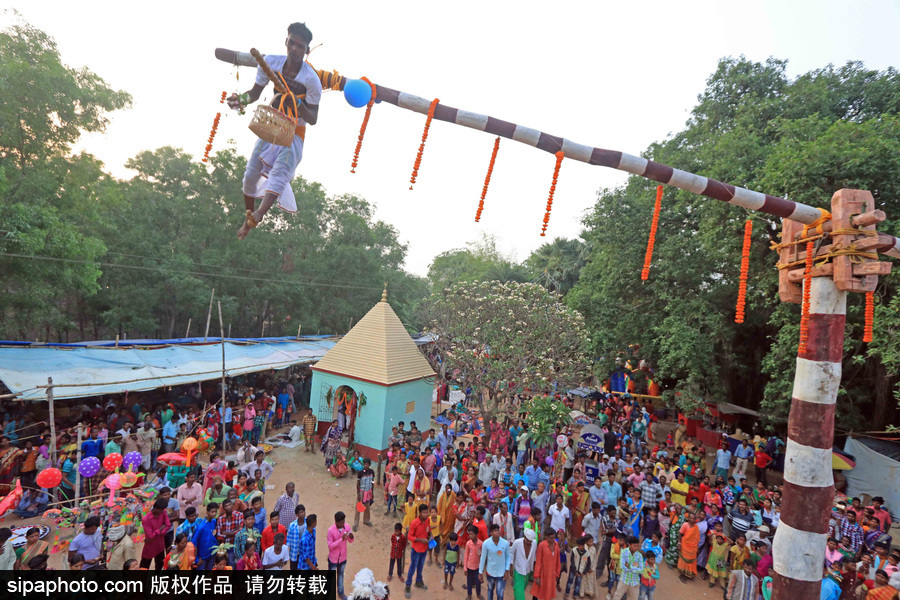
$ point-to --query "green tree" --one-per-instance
(802, 138)
(478, 261)
(51, 200)
(556, 265)
(505, 337)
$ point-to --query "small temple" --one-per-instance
(374, 377)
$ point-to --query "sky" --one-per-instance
(613, 75)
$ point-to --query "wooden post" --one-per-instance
(78, 462)
(222, 331)
(187, 332)
(52, 418)
(298, 332)
(209, 315)
(799, 546)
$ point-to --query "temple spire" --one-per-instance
(384, 293)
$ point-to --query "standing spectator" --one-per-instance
(631, 568)
(743, 584)
(723, 461)
(471, 562)
(87, 544)
(189, 494)
(156, 524)
(761, 462)
(852, 530)
(275, 527)
(880, 513)
(419, 535)
(227, 526)
(205, 538)
(306, 547)
(398, 551)
(287, 504)
(365, 494)
(338, 536)
(547, 567)
(295, 532)
(523, 553)
(496, 560)
(7, 553)
(277, 555)
(742, 454)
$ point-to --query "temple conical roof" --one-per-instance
(378, 349)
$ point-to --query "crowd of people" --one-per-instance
(603, 522)
(496, 507)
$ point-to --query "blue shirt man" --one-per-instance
(92, 447)
(613, 491)
(307, 550)
(744, 452)
(532, 475)
(495, 558)
(170, 431)
(445, 439)
(204, 537)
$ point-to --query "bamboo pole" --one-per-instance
(209, 314)
(52, 417)
(222, 331)
(187, 332)
(78, 463)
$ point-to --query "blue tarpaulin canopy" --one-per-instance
(95, 368)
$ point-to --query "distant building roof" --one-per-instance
(378, 349)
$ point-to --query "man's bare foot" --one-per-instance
(244, 230)
(251, 220)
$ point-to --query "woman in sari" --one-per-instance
(10, 459)
(181, 556)
(469, 479)
(674, 539)
(331, 443)
(690, 545)
(34, 546)
(445, 502)
(580, 506)
(250, 492)
(422, 487)
(216, 468)
(739, 552)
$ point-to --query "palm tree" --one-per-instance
(557, 265)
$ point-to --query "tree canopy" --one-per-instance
(506, 337)
(87, 256)
(753, 126)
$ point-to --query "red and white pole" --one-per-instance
(799, 545)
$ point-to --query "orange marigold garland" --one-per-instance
(807, 284)
(487, 179)
(415, 172)
(559, 158)
(365, 123)
(651, 241)
(870, 316)
(212, 135)
(745, 267)
(222, 99)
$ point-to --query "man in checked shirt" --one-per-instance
(227, 526)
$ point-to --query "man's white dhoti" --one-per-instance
(271, 168)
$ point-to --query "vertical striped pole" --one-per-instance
(799, 545)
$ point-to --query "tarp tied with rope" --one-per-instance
(80, 372)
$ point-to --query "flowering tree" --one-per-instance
(506, 338)
(544, 413)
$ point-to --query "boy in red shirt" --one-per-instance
(761, 461)
(398, 551)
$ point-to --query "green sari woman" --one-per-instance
(671, 556)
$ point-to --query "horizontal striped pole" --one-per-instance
(799, 546)
(636, 165)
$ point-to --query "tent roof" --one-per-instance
(727, 408)
(378, 349)
(80, 370)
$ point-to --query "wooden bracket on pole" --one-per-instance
(844, 205)
(850, 210)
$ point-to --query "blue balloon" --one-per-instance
(357, 93)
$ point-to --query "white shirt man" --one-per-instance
(559, 517)
(505, 520)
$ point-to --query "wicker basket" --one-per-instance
(272, 126)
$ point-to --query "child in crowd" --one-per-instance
(581, 565)
(398, 551)
(649, 577)
(392, 487)
(451, 558)
(230, 474)
(471, 561)
(434, 524)
(615, 554)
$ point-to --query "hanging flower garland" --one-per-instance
(651, 241)
(365, 123)
(807, 284)
(487, 179)
(745, 267)
(415, 172)
(212, 133)
(559, 158)
(870, 317)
